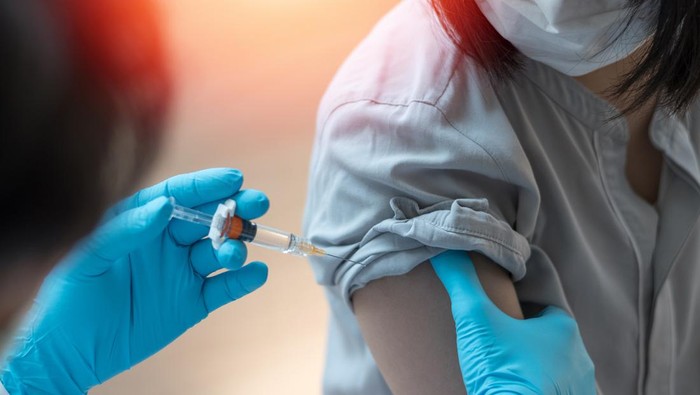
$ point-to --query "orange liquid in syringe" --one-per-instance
(238, 228)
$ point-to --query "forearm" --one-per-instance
(407, 323)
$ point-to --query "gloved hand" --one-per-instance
(134, 286)
(503, 355)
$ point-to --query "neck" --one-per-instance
(643, 161)
(602, 82)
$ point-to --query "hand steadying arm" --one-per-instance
(407, 323)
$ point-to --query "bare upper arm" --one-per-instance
(407, 323)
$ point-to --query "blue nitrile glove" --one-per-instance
(134, 286)
(499, 354)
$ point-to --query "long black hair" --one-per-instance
(669, 71)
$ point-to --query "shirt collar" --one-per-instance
(671, 135)
(668, 132)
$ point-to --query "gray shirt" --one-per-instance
(416, 152)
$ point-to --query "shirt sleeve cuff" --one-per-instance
(414, 235)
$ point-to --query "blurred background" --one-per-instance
(249, 76)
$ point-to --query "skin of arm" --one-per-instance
(407, 322)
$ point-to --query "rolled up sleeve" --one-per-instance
(392, 186)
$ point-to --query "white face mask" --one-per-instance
(574, 37)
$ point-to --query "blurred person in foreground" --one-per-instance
(85, 93)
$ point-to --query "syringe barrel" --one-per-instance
(272, 238)
(263, 236)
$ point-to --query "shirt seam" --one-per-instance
(557, 103)
(426, 103)
(455, 67)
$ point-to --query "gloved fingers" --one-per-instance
(189, 190)
(128, 231)
(456, 271)
(232, 254)
(250, 204)
(232, 285)
(205, 260)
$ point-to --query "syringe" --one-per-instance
(224, 225)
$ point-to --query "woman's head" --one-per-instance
(84, 94)
(667, 72)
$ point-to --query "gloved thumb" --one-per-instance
(566, 346)
(555, 319)
(130, 230)
(455, 270)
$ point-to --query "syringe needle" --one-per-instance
(342, 259)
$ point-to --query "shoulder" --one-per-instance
(407, 80)
(406, 59)
(411, 144)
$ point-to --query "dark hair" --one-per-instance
(84, 94)
(670, 70)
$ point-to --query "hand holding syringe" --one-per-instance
(225, 225)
